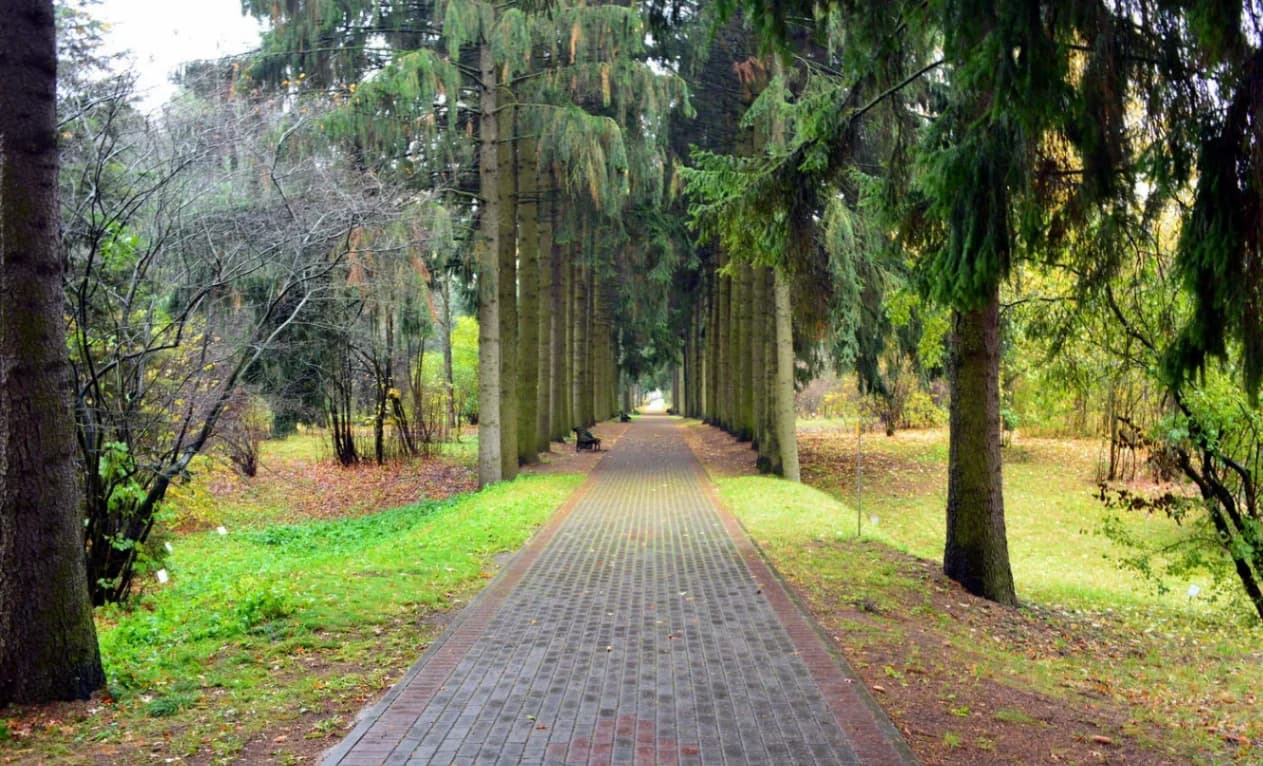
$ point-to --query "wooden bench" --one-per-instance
(583, 439)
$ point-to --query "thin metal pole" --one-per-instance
(859, 476)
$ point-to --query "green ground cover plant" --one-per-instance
(284, 622)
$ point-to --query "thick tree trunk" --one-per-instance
(490, 468)
(508, 295)
(587, 380)
(743, 368)
(731, 352)
(726, 363)
(568, 270)
(48, 646)
(544, 360)
(769, 444)
(600, 349)
(786, 433)
(977, 553)
(758, 360)
(689, 363)
(714, 356)
(453, 420)
(699, 347)
(528, 308)
(579, 346)
(557, 338)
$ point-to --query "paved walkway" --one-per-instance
(639, 627)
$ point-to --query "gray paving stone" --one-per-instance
(642, 628)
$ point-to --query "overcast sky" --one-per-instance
(161, 34)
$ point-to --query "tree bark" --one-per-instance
(569, 269)
(48, 646)
(769, 444)
(453, 420)
(544, 360)
(586, 321)
(743, 428)
(508, 293)
(733, 352)
(528, 308)
(786, 433)
(488, 248)
(690, 362)
(977, 553)
(598, 346)
(579, 350)
(758, 361)
(557, 336)
(699, 349)
(725, 350)
(714, 357)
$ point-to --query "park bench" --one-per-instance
(583, 439)
(623, 417)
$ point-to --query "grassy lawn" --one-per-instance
(1176, 677)
(1054, 520)
(267, 639)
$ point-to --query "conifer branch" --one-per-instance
(892, 90)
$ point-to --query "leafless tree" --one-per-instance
(196, 243)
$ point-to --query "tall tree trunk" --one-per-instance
(453, 421)
(544, 360)
(786, 433)
(570, 270)
(738, 345)
(977, 552)
(579, 346)
(584, 358)
(745, 367)
(784, 419)
(723, 377)
(758, 359)
(689, 362)
(490, 466)
(699, 351)
(598, 347)
(731, 352)
(714, 356)
(557, 336)
(508, 293)
(769, 444)
(48, 646)
(528, 307)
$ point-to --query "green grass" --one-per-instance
(265, 624)
(1055, 523)
(1185, 664)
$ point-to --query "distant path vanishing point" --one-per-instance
(640, 626)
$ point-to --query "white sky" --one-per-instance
(162, 34)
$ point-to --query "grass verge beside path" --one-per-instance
(972, 683)
(267, 640)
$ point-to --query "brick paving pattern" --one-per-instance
(639, 627)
